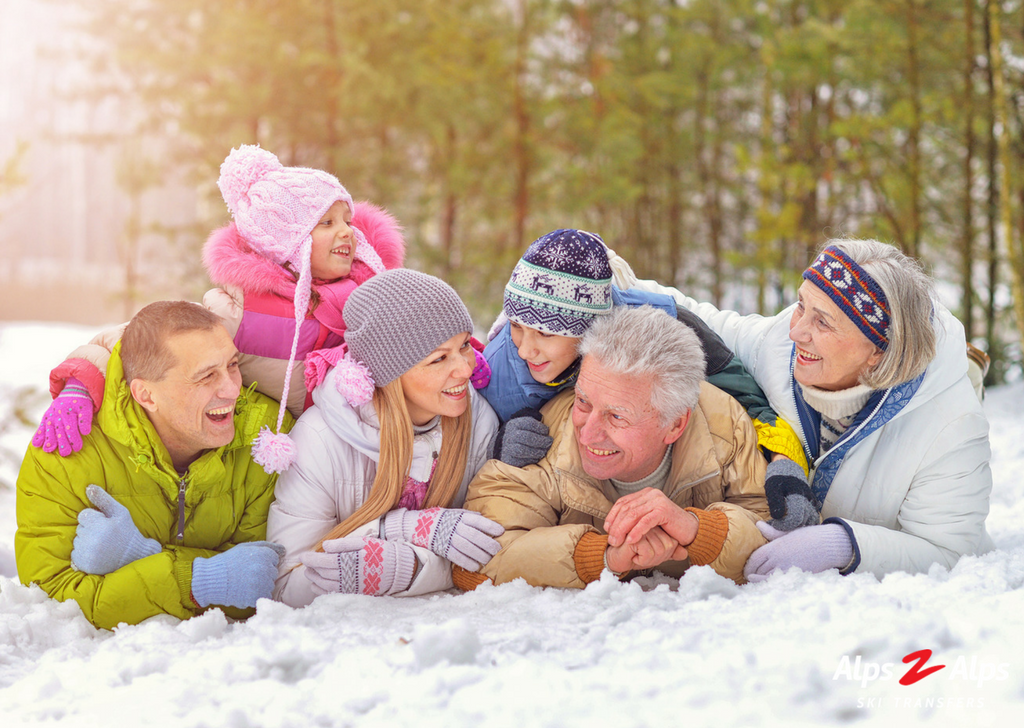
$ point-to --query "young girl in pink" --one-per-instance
(297, 247)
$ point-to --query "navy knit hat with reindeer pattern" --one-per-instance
(560, 284)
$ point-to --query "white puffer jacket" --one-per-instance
(913, 483)
(338, 450)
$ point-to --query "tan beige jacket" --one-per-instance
(548, 509)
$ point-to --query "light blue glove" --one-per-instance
(107, 539)
(237, 577)
(811, 548)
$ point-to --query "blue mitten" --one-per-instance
(107, 539)
(237, 577)
(522, 440)
(812, 548)
(790, 500)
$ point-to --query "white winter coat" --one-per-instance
(338, 450)
(914, 491)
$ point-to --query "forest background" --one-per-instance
(715, 144)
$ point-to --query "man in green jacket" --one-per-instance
(163, 510)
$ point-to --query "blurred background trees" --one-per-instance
(715, 144)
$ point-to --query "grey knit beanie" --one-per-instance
(398, 317)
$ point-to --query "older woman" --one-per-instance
(371, 504)
(871, 371)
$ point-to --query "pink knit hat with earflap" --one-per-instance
(275, 209)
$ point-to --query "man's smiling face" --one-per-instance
(618, 432)
(192, 406)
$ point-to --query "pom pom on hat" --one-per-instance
(354, 381)
(274, 451)
(243, 168)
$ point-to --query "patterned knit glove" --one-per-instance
(790, 500)
(463, 537)
(66, 420)
(521, 441)
(107, 539)
(813, 549)
(356, 565)
(237, 577)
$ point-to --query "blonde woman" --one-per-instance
(384, 456)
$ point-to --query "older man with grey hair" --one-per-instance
(650, 466)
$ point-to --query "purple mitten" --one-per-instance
(67, 419)
(811, 548)
(463, 537)
(356, 565)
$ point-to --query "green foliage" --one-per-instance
(716, 144)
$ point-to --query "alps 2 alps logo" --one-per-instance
(919, 668)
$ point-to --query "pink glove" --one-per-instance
(355, 565)
(463, 537)
(68, 418)
(481, 375)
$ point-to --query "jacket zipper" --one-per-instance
(181, 509)
(811, 465)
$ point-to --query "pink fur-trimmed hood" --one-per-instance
(229, 260)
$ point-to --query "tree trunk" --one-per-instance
(451, 204)
(331, 89)
(967, 236)
(914, 138)
(522, 131)
(1003, 145)
(765, 248)
(992, 208)
(708, 186)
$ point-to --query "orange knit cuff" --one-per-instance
(589, 556)
(712, 530)
(467, 580)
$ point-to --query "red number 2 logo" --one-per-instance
(915, 673)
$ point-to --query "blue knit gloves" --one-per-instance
(107, 539)
(357, 565)
(813, 549)
(790, 500)
(522, 440)
(237, 577)
(68, 417)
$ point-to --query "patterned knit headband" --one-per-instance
(856, 293)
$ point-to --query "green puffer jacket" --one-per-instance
(226, 500)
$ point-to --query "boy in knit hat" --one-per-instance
(557, 290)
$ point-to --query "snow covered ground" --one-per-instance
(800, 649)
